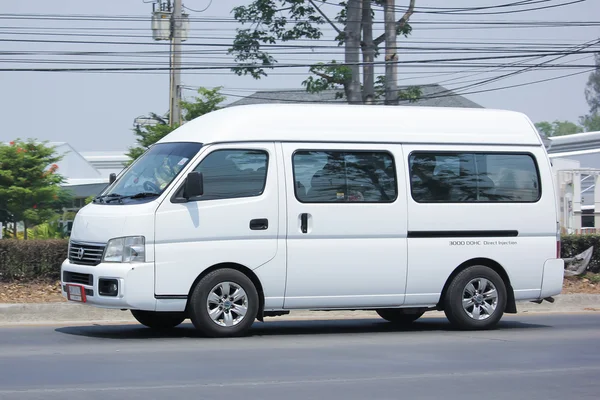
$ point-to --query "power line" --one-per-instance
(505, 12)
(221, 20)
(432, 96)
(199, 11)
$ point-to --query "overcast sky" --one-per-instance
(95, 111)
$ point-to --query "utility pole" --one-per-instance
(352, 51)
(175, 90)
(391, 56)
(170, 23)
(368, 53)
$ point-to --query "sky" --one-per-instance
(95, 111)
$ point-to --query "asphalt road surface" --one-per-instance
(547, 356)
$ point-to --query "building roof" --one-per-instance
(358, 123)
(576, 142)
(86, 171)
(431, 96)
(107, 162)
(74, 167)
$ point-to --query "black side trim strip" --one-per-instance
(461, 234)
(170, 296)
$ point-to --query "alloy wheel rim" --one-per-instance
(480, 299)
(227, 304)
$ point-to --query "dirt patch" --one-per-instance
(39, 292)
(49, 291)
(588, 284)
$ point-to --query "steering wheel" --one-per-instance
(151, 187)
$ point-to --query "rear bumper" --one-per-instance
(135, 284)
(552, 278)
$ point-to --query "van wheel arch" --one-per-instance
(511, 305)
(238, 267)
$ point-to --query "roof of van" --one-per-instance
(358, 123)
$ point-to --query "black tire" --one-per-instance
(453, 302)
(158, 320)
(399, 316)
(198, 306)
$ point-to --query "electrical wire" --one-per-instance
(199, 11)
(425, 97)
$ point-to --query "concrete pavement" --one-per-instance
(530, 356)
(69, 313)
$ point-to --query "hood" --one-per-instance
(98, 223)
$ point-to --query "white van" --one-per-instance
(253, 211)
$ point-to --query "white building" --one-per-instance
(87, 173)
(576, 163)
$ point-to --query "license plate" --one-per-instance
(76, 293)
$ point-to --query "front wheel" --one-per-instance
(476, 298)
(224, 304)
(158, 320)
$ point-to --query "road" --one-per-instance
(549, 356)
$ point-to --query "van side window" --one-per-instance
(231, 174)
(342, 176)
(473, 177)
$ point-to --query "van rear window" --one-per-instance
(344, 176)
(441, 177)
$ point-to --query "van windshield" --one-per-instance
(152, 173)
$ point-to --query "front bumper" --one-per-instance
(135, 284)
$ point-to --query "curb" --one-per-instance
(72, 313)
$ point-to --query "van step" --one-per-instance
(540, 301)
(275, 313)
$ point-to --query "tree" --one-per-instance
(29, 183)
(208, 101)
(592, 89)
(590, 122)
(271, 20)
(558, 128)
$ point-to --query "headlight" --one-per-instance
(125, 250)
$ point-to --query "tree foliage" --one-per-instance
(208, 100)
(558, 128)
(280, 21)
(592, 89)
(587, 123)
(590, 122)
(30, 188)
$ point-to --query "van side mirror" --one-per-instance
(194, 185)
(112, 177)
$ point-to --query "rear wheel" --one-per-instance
(401, 316)
(224, 304)
(476, 298)
(158, 320)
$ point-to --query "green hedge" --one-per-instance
(33, 259)
(25, 260)
(575, 244)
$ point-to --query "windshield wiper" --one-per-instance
(104, 196)
(133, 196)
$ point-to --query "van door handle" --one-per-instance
(304, 222)
(259, 224)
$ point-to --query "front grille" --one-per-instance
(86, 254)
(76, 277)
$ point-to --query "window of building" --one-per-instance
(233, 173)
(344, 176)
(587, 219)
(473, 177)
